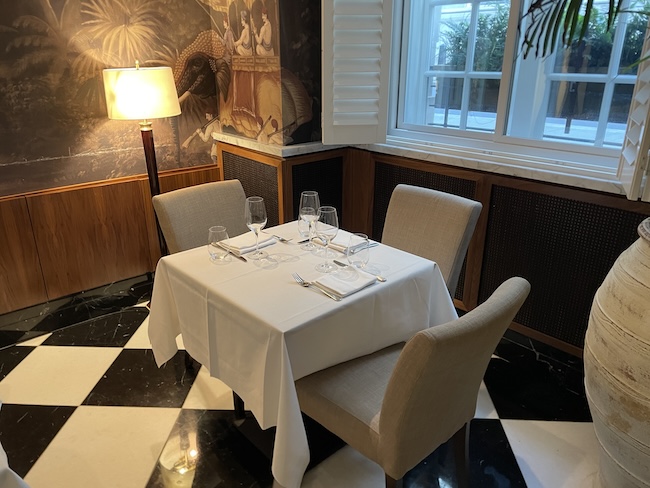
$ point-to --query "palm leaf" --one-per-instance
(550, 23)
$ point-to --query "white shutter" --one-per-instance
(355, 66)
(633, 164)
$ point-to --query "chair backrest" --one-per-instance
(434, 386)
(185, 215)
(432, 224)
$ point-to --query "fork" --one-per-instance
(308, 284)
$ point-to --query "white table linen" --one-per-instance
(258, 331)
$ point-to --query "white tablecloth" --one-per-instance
(258, 331)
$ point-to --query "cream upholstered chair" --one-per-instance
(397, 405)
(185, 215)
(432, 224)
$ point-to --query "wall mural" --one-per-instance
(226, 58)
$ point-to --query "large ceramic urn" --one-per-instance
(617, 367)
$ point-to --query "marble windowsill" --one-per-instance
(512, 166)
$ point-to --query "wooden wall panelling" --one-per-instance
(358, 189)
(90, 236)
(21, 277)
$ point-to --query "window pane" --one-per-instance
(573, 111)
(634, 35)
(453, 27)
(491, 36)
(446, 108)
(617, 120)
(483, 105)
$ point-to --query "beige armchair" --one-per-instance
(398, 405)
(185, 215)
(432, 224)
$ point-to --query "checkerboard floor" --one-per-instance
(86, 406)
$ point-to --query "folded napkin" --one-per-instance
(348, 285)
(245, 243)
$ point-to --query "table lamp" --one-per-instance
(143, 94)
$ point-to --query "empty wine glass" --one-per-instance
(327, 226)
(308, 211)
(216, 234)
(255, 221)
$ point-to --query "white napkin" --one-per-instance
(245, 243)
(347, 286)
(340, 243)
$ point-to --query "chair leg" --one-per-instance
(393, 483)
(460, 442)
(240, 412)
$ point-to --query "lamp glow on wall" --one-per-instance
(143, 94)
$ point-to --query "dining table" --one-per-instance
(257, 330)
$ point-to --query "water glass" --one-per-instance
(358, 252)
(217, 234)
(308, 212)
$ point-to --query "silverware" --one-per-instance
(358, 247)
(280, 238)
(308, 284)
(241, 258)
(379, 277)
(303, 241)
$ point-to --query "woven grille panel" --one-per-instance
(258, 179)
(325, 177)
(388, 176)
(563, 247)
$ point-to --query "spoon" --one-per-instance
(379, 277)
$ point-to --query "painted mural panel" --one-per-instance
(225, 55)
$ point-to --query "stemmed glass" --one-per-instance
(327, 226)
(255, 221)
(308, 211)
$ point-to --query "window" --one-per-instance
(462, 82)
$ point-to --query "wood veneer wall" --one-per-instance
(66, 240)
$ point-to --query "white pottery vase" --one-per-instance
(617, 367)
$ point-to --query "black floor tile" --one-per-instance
(11, 357)
(526, 385)
(134, 380)
(26, 430)
(492, 463)
(9, 338)
(112, 330)
(224, 458)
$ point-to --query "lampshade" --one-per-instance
(140, 93)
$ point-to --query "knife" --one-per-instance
(241, 258)
(358, 247)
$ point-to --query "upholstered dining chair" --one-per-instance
(185, 215)
(432, 224)
(397, 405)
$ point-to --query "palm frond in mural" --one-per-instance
(127, 41)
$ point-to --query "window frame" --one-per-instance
(546, 158)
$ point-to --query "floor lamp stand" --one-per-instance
(152, 172)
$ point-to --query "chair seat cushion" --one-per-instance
(348, 397)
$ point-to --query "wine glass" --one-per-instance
(216, 234)
(358, 253)
(327, 226)
(308, 211)
(255, 221)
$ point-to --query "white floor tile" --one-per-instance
(346, 468)
(554, 454)
(104, 447)
(140, 340)
(209, 393)
(36, 341)
(57, 375)
(484, 406)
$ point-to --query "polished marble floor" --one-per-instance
(84, 405)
